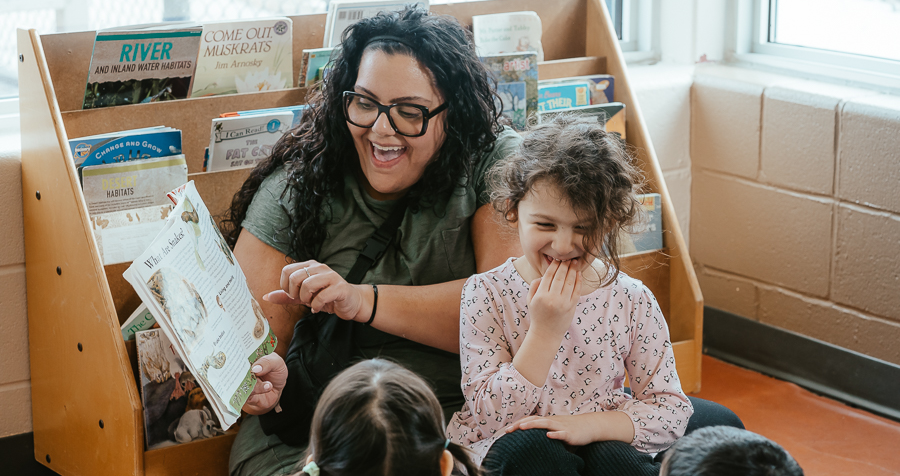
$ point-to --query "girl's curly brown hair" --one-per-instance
(590, 168)
(319, 152)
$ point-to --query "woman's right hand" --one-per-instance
(553, 297)
(320, 288)
(271, 375)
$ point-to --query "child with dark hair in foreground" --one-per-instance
(377, 418)
(728, 451)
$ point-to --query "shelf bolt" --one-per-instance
(48, 458)
(59, 270)
(101, 423)
(79, 347)
(22, 60)
(38, 194)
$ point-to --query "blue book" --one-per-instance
(602, 86)
(123, 146)
(296, 110)
(563, 96)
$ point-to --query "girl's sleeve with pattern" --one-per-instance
(659, 409)
(496, 393)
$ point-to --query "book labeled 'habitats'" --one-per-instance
(244, 57)
(142, 63)
(517, 85)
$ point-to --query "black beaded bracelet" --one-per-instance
(374, 305)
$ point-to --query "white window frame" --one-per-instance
(749, 45)
(640, 31)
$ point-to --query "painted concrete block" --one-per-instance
(761, 233)
(798, 143)
(664, 95)
(725, 125)
(13, 326)
(869, 152)
(728, 292)
(15, 401)
(831, 323)
(12, 233)
(867, 261)
(679, 185)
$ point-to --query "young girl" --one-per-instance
(546, 339)
(377, 418)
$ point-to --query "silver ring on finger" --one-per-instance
(307, 272)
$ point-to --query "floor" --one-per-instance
(826, 437)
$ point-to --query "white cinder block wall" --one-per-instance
(15, 379)
(795, 208)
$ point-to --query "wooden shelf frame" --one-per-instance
(81, 370)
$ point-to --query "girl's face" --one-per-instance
(392, 163)
(550, 230)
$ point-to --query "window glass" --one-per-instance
(863, 27)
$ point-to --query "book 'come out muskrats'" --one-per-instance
(142, 63)
(244, 57)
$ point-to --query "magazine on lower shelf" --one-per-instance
(194, 287)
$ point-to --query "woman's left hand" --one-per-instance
(574, 430)
(320, 288)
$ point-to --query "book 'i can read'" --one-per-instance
(244, 57)
(142, 63)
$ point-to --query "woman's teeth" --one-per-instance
(386, 154)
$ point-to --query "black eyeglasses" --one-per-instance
(410, 120)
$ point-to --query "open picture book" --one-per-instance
(194, 287)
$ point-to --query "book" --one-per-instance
(311, 62)
(122, 236)
(343, 13)
(516, 76)
(611, 115)
(132, 184)
(139, 320)
(142, 63)
(648, 236)
(122, 146)
(197, 292)
(175, 408)
(508, 33)
(602, 86)
(242, 141)
(297, 111)
(563, 96)
(244, 56)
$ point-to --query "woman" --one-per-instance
(407, 111)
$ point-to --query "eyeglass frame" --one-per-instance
(426, 113)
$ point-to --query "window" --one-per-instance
(853, 41)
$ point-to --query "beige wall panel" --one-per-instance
(798, 140)
(15, 409)
(12, 241)
(679, 184)
(665, 99)
(830, 323)
(728, 293)
(867, 261)
(761, 233)
(725, 119)
(13, 327)
(869, 152)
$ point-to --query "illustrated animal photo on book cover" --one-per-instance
(175, 408)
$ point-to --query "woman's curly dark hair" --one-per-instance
(589, 167)
(320, 152)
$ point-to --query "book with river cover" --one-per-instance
(142, 63)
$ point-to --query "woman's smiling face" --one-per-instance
(392, 163)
